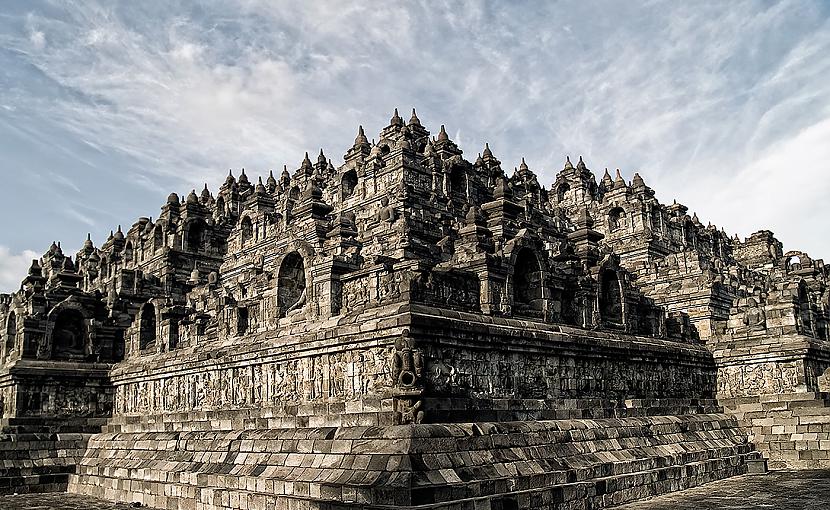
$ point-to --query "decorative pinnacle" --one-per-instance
(396, 119)
(442, 135)
(414, 120)
(523, 166)
(487, 152)
(361, 137)
(568, 164)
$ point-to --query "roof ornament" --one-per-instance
(414, 120)
(396, 119)
(487, 152)
(360, 139)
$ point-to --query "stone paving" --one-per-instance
(778, 490)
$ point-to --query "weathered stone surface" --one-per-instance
(243, 343)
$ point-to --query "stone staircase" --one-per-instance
(791, 430)
(38, 455)
(556, 464)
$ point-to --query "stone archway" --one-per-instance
(527, 284)
(610, 298)
(291, 284)
(68, 334)
(147, 327)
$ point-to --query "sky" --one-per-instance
(105, 108)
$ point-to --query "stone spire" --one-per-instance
(487, 152)
(414, 120)
(88, 246)
(568, 165)
(396, 119)
(581, 165)
(619, 182)
(606, 180)
(229, 180)
(360, 139)
(523, 168)
(442, 135)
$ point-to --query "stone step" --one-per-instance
(31, 483)
(403, 466)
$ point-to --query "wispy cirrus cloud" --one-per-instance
(129, 101)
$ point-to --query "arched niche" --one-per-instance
(793, 263)
(195, 235)
(104, 267)
(11, 335)
(561, 191)
(158, 237)
(147, 327)
(348, 184)
(805, 310)
(291, 283)
(616, 219)
(610, 298)
(458, 181)
(527, 284)
(68, 334)
(128, 251)
(242, 320)
(247, 229)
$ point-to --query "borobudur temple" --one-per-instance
(409, 330)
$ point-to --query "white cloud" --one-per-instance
(14, 267)
(689, 95)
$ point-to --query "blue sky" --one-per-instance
(107, 107)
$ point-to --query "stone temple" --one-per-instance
(413, 330)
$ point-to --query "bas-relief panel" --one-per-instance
(760, 379)
(500, 374)
(336, 377)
